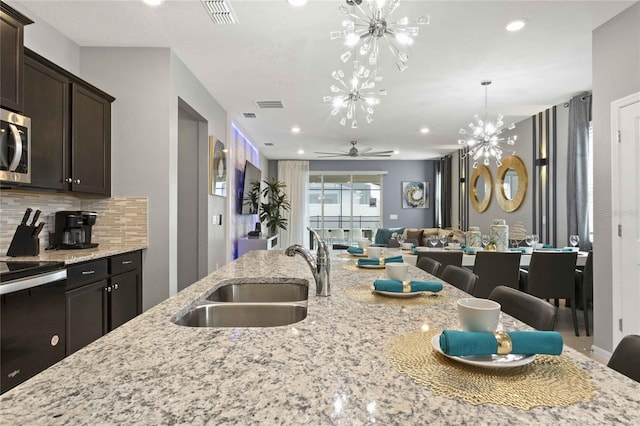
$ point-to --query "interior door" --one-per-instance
(626, 288)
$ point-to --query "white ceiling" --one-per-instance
(280, 52)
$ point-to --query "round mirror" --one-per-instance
(481, 185)
(511, 183)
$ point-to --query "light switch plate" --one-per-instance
(393, 216)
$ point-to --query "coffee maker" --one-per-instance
(73, 230)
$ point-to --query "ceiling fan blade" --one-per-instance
(330, 155)
(376, 155)
(380, 152)
(364, 150)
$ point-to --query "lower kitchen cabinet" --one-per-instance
(101, 296)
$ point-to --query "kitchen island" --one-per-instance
(326, 369)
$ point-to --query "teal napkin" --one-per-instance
(461, 343)
(394, 259)
(396, 286)
(468, 250)
(547, 246)
(414, 250)
(517, 249)
(355, 250)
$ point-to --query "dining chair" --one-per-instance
(495, 269)
(460, 277)
(535, 312)
(584, 288)
(625, 357)
(551, 275)
(443, 256)
(429, 265)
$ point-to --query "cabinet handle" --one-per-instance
(77, 181)
(115, 286)
(108, 289)
(127, 262)
(91, 272)
(68, 180)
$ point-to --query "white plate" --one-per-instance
(371, 266)
(487, 361)
(397, 293)
(358, 254)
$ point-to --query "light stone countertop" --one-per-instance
(325, 369)
(70, 257)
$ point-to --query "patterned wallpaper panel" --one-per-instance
(120, 220)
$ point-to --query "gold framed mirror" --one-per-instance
(480, 188)
(511, 183)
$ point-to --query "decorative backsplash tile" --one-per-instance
(121, 220)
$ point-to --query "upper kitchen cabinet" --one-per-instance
(12, 25)
(70, 129)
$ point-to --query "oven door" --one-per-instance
(15, 146)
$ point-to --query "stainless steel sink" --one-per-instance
(291, 290)
(243, 315)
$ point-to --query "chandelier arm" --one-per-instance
(372, 16)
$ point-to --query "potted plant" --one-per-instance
(275, 203)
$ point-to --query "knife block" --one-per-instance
(23, 242)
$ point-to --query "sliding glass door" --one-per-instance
(345, 207)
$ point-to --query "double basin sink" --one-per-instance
(250, 303)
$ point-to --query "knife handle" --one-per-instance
(36, 215)
(37, 231)
(26, 216)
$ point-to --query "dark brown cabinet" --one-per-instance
(70, 129)
(101, 296)
(12, 25)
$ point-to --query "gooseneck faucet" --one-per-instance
(319, 266)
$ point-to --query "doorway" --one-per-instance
(192, 197)
(625, 127)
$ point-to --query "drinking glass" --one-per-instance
(400, 239)
(433, 241)
(485, 240)
(535, 239)
(529, 240)
(443, 241)
(574, 240)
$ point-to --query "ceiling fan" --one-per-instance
(355, 152)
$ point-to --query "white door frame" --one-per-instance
(616, 281)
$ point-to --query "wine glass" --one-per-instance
(529, 240)
(574, 240)
(485, 240)
(443, 241)
(535, 239)
(400, 239)
(433, 241)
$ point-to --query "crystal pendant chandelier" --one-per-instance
(368, 28)
(484, 141)
(357, 94)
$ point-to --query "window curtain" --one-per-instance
(443, 209)
(295, 174)
(577, 169)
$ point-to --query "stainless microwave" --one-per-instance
(15, 147)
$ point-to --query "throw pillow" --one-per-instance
(415, 236)
(383, 234)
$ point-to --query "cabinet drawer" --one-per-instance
(125, 262)
(84, 273)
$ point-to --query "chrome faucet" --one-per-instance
(319, 266)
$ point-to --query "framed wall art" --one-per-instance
(217, 168)
(415, 195)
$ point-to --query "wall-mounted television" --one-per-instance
(251, 174)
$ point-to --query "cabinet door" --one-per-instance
(86, 315)
(90, 142)
(46, 102)
(125, 293)
(11, 37)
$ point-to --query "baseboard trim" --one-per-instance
(600, 354)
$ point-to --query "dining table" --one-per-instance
(357, 357)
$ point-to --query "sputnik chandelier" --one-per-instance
(368, 28)
(358, 93)
(484, 141)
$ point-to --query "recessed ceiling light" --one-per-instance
(395, 151)
(516, 25)
(424, 130)
(153, 2)
(295, 129)
(301, 151)
(297, 2)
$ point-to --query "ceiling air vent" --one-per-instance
(270, 104)
(220, 11)
(268, 144)
(249, 115)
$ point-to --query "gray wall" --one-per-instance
(616, 74)
(398, 172)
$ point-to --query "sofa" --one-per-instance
(386, 237)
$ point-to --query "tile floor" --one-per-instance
(564, 325)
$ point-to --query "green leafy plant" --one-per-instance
(276, 203)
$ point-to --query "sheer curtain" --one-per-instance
(295, 174)
(578, 168)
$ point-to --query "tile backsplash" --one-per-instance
(121, 220)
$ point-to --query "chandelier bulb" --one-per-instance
(475, 164)
(423, 20)
(486, 161)
(345, 56)
(354, 124)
